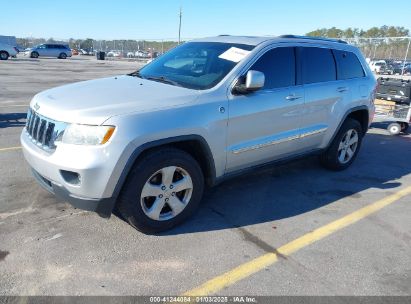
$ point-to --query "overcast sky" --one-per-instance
(128, 19)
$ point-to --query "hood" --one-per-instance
(94, 101)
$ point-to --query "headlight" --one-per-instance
(87, 135)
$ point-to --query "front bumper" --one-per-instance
(103, 207)
(94, 165)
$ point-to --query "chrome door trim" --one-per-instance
(262, 145)
(309, 133)
(279, 141)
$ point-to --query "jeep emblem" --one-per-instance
(36, 107)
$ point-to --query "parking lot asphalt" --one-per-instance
(48, 247)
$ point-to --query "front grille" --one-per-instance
(43, 131)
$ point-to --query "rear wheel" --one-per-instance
(394, 128)
(34, 55)
(345, 146)
(162, 190)
(4, 55)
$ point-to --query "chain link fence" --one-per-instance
(381, 48)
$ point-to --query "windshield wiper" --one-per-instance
(136, 74)
(163, 80)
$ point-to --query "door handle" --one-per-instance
(342, 89)
(293, 97)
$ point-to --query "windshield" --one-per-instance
(195, 65)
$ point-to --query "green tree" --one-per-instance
(87, 44)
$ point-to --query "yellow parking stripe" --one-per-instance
(9, 149)
(247, 269)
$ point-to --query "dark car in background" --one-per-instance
(387, 69)
(402, 70)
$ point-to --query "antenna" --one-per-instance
(179, 26)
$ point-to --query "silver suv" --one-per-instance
(148, 142)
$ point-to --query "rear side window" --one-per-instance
(278, 66)
(348, 65)
(318, 65)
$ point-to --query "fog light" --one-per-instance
(71, 177)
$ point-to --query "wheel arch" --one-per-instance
(360, 113)
(362, 116)
(195, 145)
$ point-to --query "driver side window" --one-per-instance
(278, 66)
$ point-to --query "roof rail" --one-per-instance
(313, 38)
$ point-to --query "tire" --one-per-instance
(394, 128)
(343, 149)
(137, 207)
(4, 55)
(34, 55)
(63, 56)
(404, 127)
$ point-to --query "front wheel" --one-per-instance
(4, 55)
(163, 189)
(63, 56)
(345, 146)
(34, 55)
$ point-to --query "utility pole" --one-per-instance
(179, 27)
(406, 55)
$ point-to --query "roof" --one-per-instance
(255, 40)
(249, 40)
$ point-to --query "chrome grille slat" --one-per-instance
(30, 130)
(43, 131)
(36, 127)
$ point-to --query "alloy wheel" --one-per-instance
(348, 146)
(166, 193)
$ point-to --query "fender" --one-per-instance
(157, 143)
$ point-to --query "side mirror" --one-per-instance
(253, 81)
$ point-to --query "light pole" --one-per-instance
(179, 26)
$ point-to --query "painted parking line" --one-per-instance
(12, 106)
(9, 149)
(249, 268)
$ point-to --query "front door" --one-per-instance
(265, 125)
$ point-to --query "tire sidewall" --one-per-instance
(63, 56)
(34, 55)
(131, 192)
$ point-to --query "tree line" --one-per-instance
(373, 32)
(105, 45)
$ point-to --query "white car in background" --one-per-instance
(375, 66)
(113, 54)
(7, 51)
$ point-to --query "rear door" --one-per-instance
(264, 125)
(325, 96)
(53, 50)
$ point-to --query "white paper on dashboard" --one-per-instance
(234, 54)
